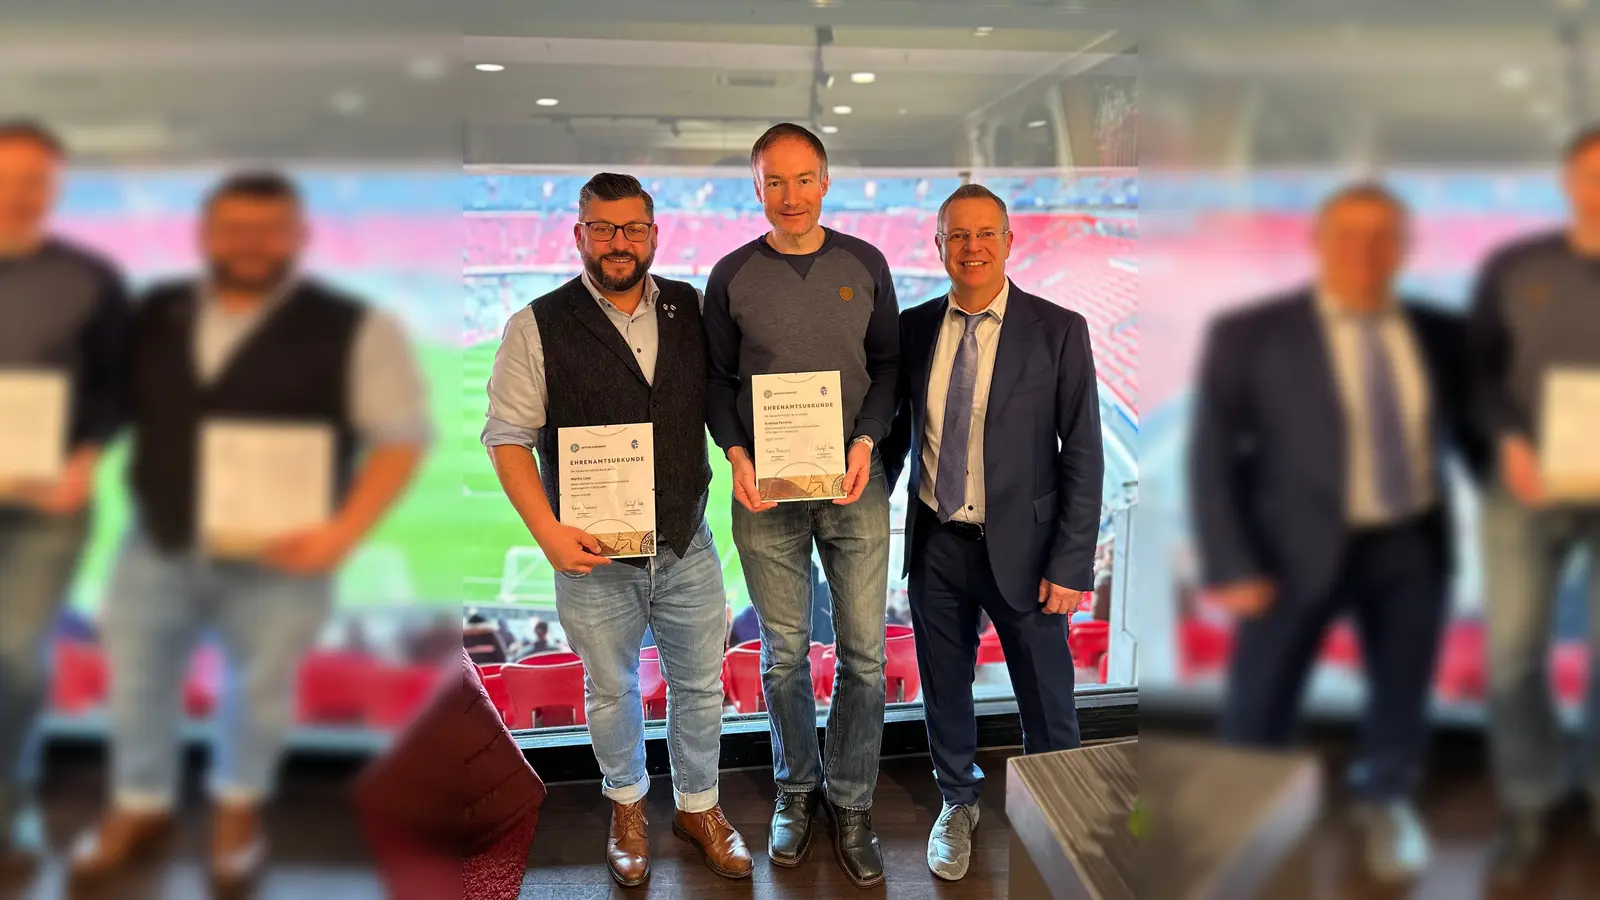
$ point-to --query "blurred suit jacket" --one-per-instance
(1267, 468)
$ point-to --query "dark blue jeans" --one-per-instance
(775, 552)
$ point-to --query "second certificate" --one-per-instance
(799, 436)
(608, 486)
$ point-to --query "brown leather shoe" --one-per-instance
(721, 846)
(238, 847)
(628, 849)
(119, 840)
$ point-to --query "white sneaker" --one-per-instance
(950, 843)
(1397, 847)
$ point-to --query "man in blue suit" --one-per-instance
(1317, 490)
(999, 416)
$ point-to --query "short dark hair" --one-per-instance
(611, 186)
(34, 131)
(974, 192)
(786, 130)
(1363, 192)
(257, 185)
(1580, 143)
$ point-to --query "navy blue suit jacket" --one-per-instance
(1043, 458)
(1267, 468)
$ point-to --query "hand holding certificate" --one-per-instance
(33, 443)
(1569, 436)
(260, 482)
(608, 486)
(799, 438)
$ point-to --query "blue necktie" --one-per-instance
(1390, 460)
(950, 486)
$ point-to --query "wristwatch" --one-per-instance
(863, 439)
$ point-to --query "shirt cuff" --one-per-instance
(500, 433)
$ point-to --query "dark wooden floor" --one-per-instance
(318, 852)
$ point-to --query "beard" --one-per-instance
(226, 279)
(595, 266)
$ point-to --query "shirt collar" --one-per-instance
(1329, 308)
(208, 294)
(996, 307)
(651, 292)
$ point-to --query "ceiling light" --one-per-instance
(983, 30)
(830, 129)
(348, 102)
(546, 101)
(489, 67)
(1038, 123)
(1514, 78)
(829, 82)
(842, 110)
(863, 77)
(903, 110)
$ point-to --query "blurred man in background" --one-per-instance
(63, 312)
(252, 339)
(804, 298)
(1318, 491)
(1536, 312)
(1006, 465)
(617, 346)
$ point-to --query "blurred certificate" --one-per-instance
(261, 481)
(1569, 435)
(799, 436)
(608, 486)
(33, 441)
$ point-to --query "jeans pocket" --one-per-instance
(702, 537)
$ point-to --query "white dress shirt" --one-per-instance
(944, 360)
(1363, 504)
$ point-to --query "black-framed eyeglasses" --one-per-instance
(638, 232)
(986, 236)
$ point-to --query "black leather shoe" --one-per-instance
(790, 836)
(856, 846)
(1517, 847)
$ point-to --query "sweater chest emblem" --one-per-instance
(846, 294)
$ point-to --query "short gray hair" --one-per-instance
(975, 192)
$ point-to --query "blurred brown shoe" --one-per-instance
(238, 846)
(719, 843)
(119, 840)
(628, 848)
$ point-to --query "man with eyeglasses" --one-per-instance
(999, 415)
(617, 346)
(804, 298)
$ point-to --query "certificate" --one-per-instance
(261, 481)
(33, 441)
(608, 486)
(1569, 435)
(799, 436)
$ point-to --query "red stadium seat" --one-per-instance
(652, 684)
(81, 680)
(496, 686)
(545, 696)
(203, 684)
(989, 650)
(903, 680)
(489, 669)
(824, 668)
(332, 687)
(1569, 670)
(1105, 659)
(396, 693)
(549, 658)
(1088, 641)
(741, 677)
(1203, 647)
(1463, 673)
(1342, 648)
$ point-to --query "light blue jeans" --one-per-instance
(38, 555)
(158, 607)
(775, 552)
(1524, 553)
(604, 615)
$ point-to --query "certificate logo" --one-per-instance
(635, 445)
(766, 395)
(574, 448)
(824, 392)
(846, 294)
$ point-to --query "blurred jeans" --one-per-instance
(38, 556)
(157, 608)
(683, 603)
(775, 553)
(1524, 552)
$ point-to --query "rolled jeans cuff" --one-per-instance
(698, 802)
(629, 795)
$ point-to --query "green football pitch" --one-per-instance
(452, 539)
